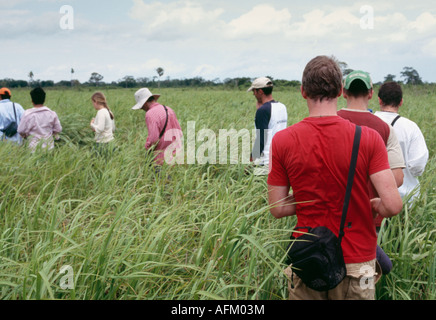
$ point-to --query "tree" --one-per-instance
(411, 76)
(31, 75)
(128, 82)
(160, 72)
(95, 78)
(344, 68)
(72, 72)
(390, 78)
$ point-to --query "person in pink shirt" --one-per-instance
(39, 124)
(164, 131)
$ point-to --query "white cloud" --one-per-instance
(261, 20)
(174, 20)
(424, 23)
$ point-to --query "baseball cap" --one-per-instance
(141, 97)
(358, 75)
(261, 83)
(5, 91)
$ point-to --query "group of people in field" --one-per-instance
(307, 163)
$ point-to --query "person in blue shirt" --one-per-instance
(8, 115)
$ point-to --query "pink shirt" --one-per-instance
(155, 118)
(40, 124)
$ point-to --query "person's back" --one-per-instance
(9, 115)
(313, 158)
(40, 123)
(409, 135)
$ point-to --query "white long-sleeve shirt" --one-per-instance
(414, 149)
(104, 126)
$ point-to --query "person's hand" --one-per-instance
(375, 203)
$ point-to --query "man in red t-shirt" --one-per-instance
(312, 158)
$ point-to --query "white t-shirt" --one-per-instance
(271, 118)
(414, 149)
(104, 126)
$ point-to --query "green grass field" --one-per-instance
(206, 233)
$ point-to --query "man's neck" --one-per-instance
(266, 99)
(38, 105)
(388, 109)
(324, 108)
(357, 103)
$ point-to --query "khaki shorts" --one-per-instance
(359, 284)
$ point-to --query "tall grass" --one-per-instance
(187, 232)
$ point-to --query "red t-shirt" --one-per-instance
(313, 158)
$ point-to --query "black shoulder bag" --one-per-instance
(317, 257)
(11, 129)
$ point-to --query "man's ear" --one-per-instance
(303, 93)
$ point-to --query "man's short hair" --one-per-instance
(391, 94)
(267, 91)
(38, 96)
(322, 79)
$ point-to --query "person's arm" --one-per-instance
(24, 126)
(398, 176)
(57, 128)
(281, 202)
(418, 154)
(99, 122)
(389, 203)
(395, 157)
(153, 132)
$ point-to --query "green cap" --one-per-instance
(358, 75)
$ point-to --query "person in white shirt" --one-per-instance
(104, 123)
(9, 112)
(409, 135)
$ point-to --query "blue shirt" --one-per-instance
(7, 116)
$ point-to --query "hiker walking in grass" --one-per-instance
(312, 158)
(358, 91)
(104, 123)
(164, 131)
(10, 117)
(39, 124)
(271, 117)
(411, 139)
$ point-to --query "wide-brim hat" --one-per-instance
(142, 96)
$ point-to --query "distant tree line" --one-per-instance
(410, 76)
(96, 80)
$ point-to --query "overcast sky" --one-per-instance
(213, 39)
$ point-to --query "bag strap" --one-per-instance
(165, 126)
(395, 120)
(15, 111)
(352, 170)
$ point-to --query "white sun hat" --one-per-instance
(142, 96)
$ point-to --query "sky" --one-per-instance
(213, 39)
